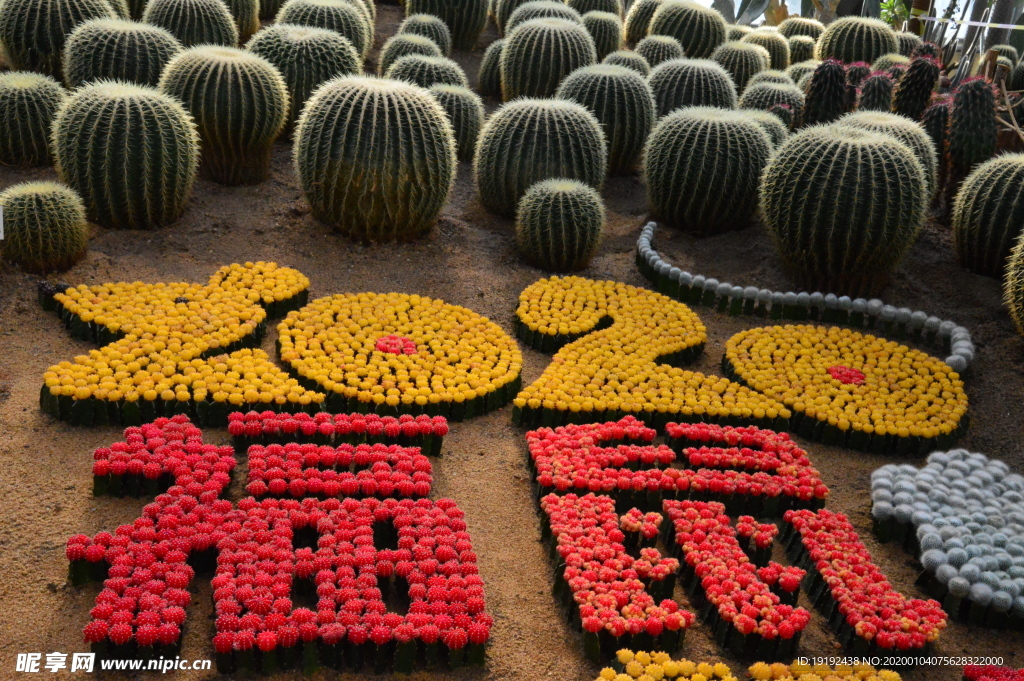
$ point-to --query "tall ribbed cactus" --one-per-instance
(852, 39)
(538, 54)
(794, 26)
(742, 60)
(129, 151)
(489, 77)
(465, 111)
(764, 96)
(911, 133)
(875, 93)
(28, 103)
(559, 223)
(855, 75)
(375, 158)
(826, 96)
(907, 42)
(777, 45)
(770, 76)
(988, 214)
(691, 82)
(427, 71)
(801, 48)
(935, 121)
(542, 9)
(606, 30)
(623, 104)
(584, 6)
(401, 45)
(630, 60)
(972, 131)
(116, 49)
(772, 124)
(240, 104)
(1013, 286)
(656, 49)
(530, 140)
(307, 57)
(33, 32)
(698, 29)
(193, 22)
(829, 180)
(701, 169)
(428, 26)
(638, 19)
(915, 89)
(345, 17)
(44, 227)
(465, 18)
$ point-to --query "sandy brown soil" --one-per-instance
(45, 480)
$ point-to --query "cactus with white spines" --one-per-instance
(349, 18)
(559, 223)
(801, 48)
(538, 54)
(851, 39)
(656, 49)
(988, 214)
(115, 49)
(606, 30)
(691, 82)
(489, 76)
(28, 103)
(427, 71)
(401, 45)
(742, 61)
(774, 42)
(44, 227)
(194, 22)
(630, 60)
(541, 9)
(33, 32)
(794, 26)
(464, 18)
(430, 27)
(698, 29)
(465, 111)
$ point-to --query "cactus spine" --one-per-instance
(44, 227)
(638, 19)
(794, 26)
(465, 111)
(559, 223)
(742, 61)
(988, 214)
(430, 27)
(972, 131)
(28, 104)
(1013, 286)
(915, 89)
(630, 60)
(875, 93)
(401, 45)
(464, 18)
(193, 22)
(489, 77)
(656, 49)
(691, 82)
(375, 158)
(911, 133)
(606, 30)
(698, 29)
(826, 96)
(935, 122)
(801, 48)
(538, 54)
(852, 39)
(735, 32)
(777, 45)
(347, 18)
(542, 9)
(427, 71)
(33, 32)
(908, 42)
(114, 49)
(764, 96)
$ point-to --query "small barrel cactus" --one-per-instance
(794, 26)
(735, 32)
(691, 82)
(129, 151)
(115, 49)
(559, 223)
(907, 42)
(375, 158)
(829, 180)
(428, 26)
(698, 29)
(610, 6)
(851, 39)
(764, 96)
(701, 169)
(569, 143)
(972, 131)
(875, 93)
(1008, 51)
(538, 54)
(915, 89)
(1013, 286)
(464, 18)
(777, 45)
(342, 16)
(427, 71)
(44, 227)
(801, 48)
(28, 103)
(194, 22)
(911, 133)
(770, 76)
(800, 69)
(630, 60)
(988, 214)
(240, 104)
(887, 61)
(403, 44)
(606, 30)
(307, 57)
(541, 9)
(33, 32)
(656, 49)
(638, 19)
(465, 111)
(741, 60)
(826, 96)
(246, 14)
(623, 104)
(772, 124)
(489, 78)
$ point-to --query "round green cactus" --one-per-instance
(876, 93)
(630, 60)
(341, 16)
(1013, 286)
(606, 30)
(1008, 51)
(701, 168)
(851, 39)
(776, 129)
(623, 104)
(794, 26)
(129, 151)
(826, 95)
(427, 71)
(742, 61)
(801, 48)
(530, 140)
(240, 104)
(800, 69)
(770, 76)
(115, 49)
(193, 22)
(489, 78)
(538, 54)
(428, 26)
(307, 57)
(246, 14)
(777, 45)
(403, 44)
(464, 18)
(610, 6)
(638, 19)
(559, 223)
(915, 89)
(734, 32)
(698, 29)
(829, 180)
(502, 10)
(375, 158)
(33, 32)
(763, 96)
(907, 42)
(44, 227)
(988, 214)
(28, 103)
(656, 49)
(887, 61)
(541, 9)
(911, 133)
(465, 111)
(691, 82)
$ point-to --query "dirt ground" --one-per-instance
(469, 259)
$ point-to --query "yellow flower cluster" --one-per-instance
(644, 666)
(621, 368)
(762, 671)
(459, 355)
(895, 390)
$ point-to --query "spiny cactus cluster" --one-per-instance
(826, 96)
(852, 39)
(465, 111)
(855, 75)
(691, 82)
(915, 89)
(537, 55)
(240, 104)
(375, 157)
(741, 60)
(774, 42)
(772, 124)
(911, 133)
(489, 76)
(246, 14)
(529, 140)
(427, 71)
(28, 104)
(610, 6)
(701, 169)
(735, 32)
(33, 32)
(638, 19)
(344, 17)
(656, 49)
(559, 223)
(108, 131)
(115, 49)
(606, 30)
(465, 18)
(876, 93)
(430, 27)
(44, 227)
(928, 49)
(908, 42)
(794, 26)
(801, 48)
(541, 9)
(193, 22)
(972, 131)
(770, 76)
(1013, 286)
(698, 29)
(764, 96)
(403, 44)
(988, 215)
(828, 180)
(629, 60)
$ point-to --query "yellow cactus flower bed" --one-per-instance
(643, 666)
(762, 671)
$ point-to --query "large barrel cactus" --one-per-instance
(537, 55)
(794, 26)
(530, 140)
(935, 121)
(911, 133)
(851, 39)
(630, 60)
(194, 22)
(465, 18)
(129, 151)
(489, 77)
(28, 103)
(656, 49)
(638, 19)
(988, 214)
(306, 57)
(691, 82)
(763, 96)
(465, 111)
(427, 71)
(33, 32)
(542, 9)
(240, 104)
(698, 29)
(907, 42)
(610, 6)
(833, 180)
(375, 158)
(826, 95)
(972, 131)
(777, 45)
(345, 17)
(742, 60)
(801, 48)
(875, 93)
(606, 30)
(1013, 286)
(115, 49)
(559, 224)
(428, 26)
(401, 45)
(915, 89)
(44, 227)
(623, 104)
(701, 169)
